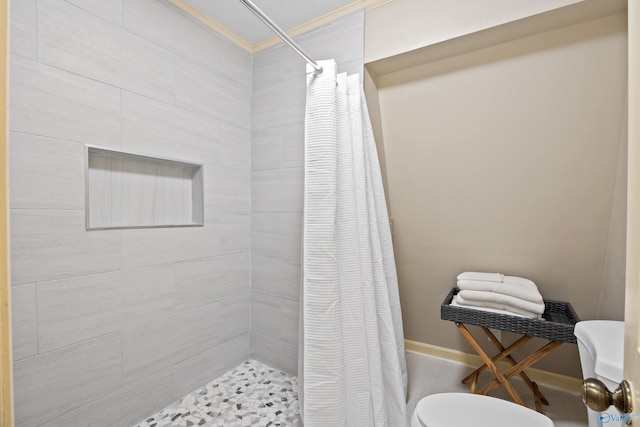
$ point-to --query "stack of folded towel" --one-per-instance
(497, 292)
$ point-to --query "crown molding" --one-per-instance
(274, 40)
(213, 24)
(321, 20)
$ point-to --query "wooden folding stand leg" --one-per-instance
(505, 353)
(517, 369)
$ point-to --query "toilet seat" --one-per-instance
(474, 410)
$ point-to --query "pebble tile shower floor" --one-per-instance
(253, 394)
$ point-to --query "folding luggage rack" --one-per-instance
(557, 327)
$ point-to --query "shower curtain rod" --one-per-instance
(264, 18)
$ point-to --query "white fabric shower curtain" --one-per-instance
(353, 369)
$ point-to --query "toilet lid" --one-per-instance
(474, 410)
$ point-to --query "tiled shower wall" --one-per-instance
(109, 326)
(277, 154)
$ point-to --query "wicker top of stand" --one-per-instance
(558, 324)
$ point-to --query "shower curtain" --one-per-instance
(353, 369)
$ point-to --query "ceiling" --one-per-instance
(235, 16)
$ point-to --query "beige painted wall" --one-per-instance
(505, 159)
(403, 25)
(373, 105)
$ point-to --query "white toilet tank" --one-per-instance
(601, 348)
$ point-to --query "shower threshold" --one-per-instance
(253, 394)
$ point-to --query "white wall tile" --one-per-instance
(237, 101)
(277, 190)
(235, 316)
(292, 145)
(213, 93)
(51, 102)
(275, 352)
(80, 308)
(48, 385)
(109, 10)
(23, 28)
(266, 148)
(124, 407)
(279, 104)
(156, 128)
(167, 26)
(148, 293)
(105, 74)
(269, 57)
(24, 338)
(236, 72)
(294, 101)
(290, 321)
(198, 88)
(46, 173)
(278, 233)
(72, 310)
(235, 232)
(276, 275)
(292, 65)
(53, 244)
(201, 368)
(274, 317)
(267, 68)
(226, 189)
(235, 146)
(78, 41)
(205, 281)
(149, 348)
(197, 330)
(237, 62)
(278, 147)
(267, 110)
(150, 246)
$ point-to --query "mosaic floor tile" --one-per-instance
(253, 394)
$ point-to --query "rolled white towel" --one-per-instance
(512, 288)
(460, 302)
(486, 277)
(501, 299)
(494, 308)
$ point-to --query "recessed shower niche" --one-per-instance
(130, 190)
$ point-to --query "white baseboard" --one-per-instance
(564, 382)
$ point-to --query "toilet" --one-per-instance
(474, 410)
(601, 349)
